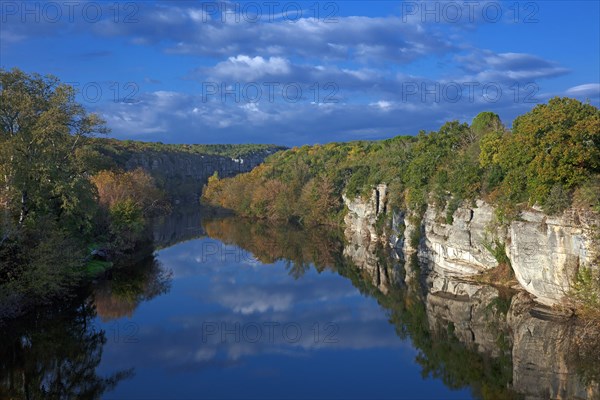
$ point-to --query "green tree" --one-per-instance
(564, 139)
(485, 122)
(43, 132)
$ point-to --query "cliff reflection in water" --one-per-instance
(494, 341)
(468, 335)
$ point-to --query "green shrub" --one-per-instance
(415, 237)
(127, 224)
(557, 201)
(586, 291)
(587, 196)
(498, 250)
(453, 205)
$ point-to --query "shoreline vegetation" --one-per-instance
(549, 160)
(69, 211)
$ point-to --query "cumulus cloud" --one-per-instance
(274, 99)
(179, 117)
(250, 68)
(185, 29)
(329, 80)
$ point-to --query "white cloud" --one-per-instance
(586, 90)
(382, 104)
(243, 67)
(486, 66)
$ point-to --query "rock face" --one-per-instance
(182, 174)
(545, 252)
(363, 239)
(458, 247)
(361, 221)
(529, 347)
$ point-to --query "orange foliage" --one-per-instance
(136, 186)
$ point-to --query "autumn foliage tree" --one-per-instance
(551, 150)
(301, 198)
(137, 186)
(128, 197)
(47, 203)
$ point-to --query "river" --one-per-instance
(229, 308)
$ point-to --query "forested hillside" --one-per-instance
(180, 170)
(550, 158)
(72, 204)
(122, 150)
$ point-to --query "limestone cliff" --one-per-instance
(545, 252)
(534, 351)
(182, 175)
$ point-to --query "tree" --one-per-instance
(485, 122)
(563, 138)
(136, 187)
(554, 144)
(42, 136)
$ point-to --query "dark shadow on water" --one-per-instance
(53, 354)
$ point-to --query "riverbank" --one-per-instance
(545, 254)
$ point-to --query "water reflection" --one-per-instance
(270, 307)
(499, 344)
(54, 354)
(119, 293)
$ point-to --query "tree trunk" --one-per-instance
(24, 208)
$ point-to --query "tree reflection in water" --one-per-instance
(54, 354)
(467, 334)
(125, 288)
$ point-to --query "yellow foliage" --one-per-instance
(136, 186)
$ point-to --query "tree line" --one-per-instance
(550, 158)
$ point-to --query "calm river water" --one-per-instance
(228, 308)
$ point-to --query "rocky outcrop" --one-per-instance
(361, 221)
(363, 230)
(545, 252)
(182, 175)
(458, 247)
(529, 347)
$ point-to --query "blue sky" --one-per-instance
(294, 73)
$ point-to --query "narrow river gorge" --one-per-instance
(286, 312)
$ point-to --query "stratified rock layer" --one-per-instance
(545, 252)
